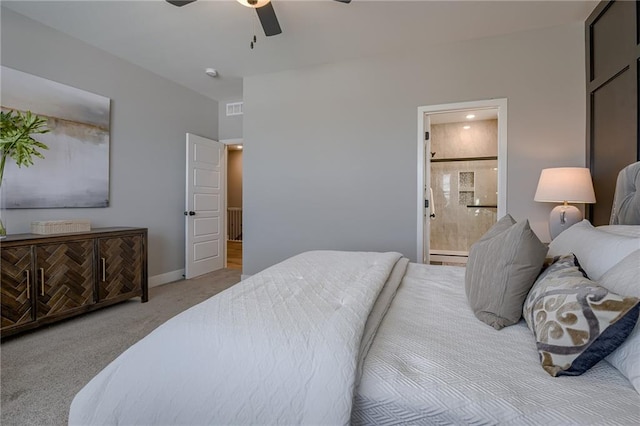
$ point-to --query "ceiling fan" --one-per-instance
(265, 11)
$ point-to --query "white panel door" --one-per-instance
(205, 209)
(428, 199)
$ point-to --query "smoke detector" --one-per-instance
(211, 72)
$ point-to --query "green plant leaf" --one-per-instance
(16, 142)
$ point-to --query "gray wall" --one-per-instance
(149, 118)
(330, 152)
(234, 178)
(229, 127)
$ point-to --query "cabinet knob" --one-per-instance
(41, 281)
(190, 213)
(28, 284)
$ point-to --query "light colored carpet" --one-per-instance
(44, 369)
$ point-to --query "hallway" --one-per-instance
(234, 255)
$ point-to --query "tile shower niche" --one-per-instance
(466, 189)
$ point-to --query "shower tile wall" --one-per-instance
(458, 184)
(452, 141)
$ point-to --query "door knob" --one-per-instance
(190, 213)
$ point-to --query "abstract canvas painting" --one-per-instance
(75, 170)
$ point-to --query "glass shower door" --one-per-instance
(464, 181)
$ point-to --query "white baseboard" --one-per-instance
(167, 277)
(244, 277)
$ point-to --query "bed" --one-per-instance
(413, 373)
(331, 337)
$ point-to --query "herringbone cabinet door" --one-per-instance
(16, 301)
(65, 279)
(120, 266)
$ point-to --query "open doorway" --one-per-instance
(234, 205)
(461, 177)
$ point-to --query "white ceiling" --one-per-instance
(179, 43)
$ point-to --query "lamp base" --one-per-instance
(562, 217)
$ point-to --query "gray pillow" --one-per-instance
(501, 269)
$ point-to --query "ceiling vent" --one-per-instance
(234, 109)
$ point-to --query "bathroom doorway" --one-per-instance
(462, 177)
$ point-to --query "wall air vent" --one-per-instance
(234, 109)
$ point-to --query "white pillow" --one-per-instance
(624, 279)
(597, 251)
(628, 230)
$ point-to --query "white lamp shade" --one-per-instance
(565, 184)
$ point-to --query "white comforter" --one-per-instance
(433, 363)
(280, 347)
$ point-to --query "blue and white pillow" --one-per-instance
(576, 322)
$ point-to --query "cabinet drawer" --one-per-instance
(16, 286)
(121, 266)
(65, 277)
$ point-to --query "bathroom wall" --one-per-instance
(459, 184)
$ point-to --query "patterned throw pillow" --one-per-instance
(576, 323)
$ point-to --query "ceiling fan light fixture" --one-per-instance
(253, 3)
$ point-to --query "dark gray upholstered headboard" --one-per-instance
(626, 201)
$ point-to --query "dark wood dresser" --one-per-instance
(47, 278)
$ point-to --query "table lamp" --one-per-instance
(565, 185)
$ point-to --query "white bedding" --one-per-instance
(433, 362)
(286, 347)
(281, 347)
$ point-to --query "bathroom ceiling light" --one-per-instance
(470, 116)
(466, 127)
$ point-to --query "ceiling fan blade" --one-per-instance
(180, 3)
(344, 1)
(269, 20)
